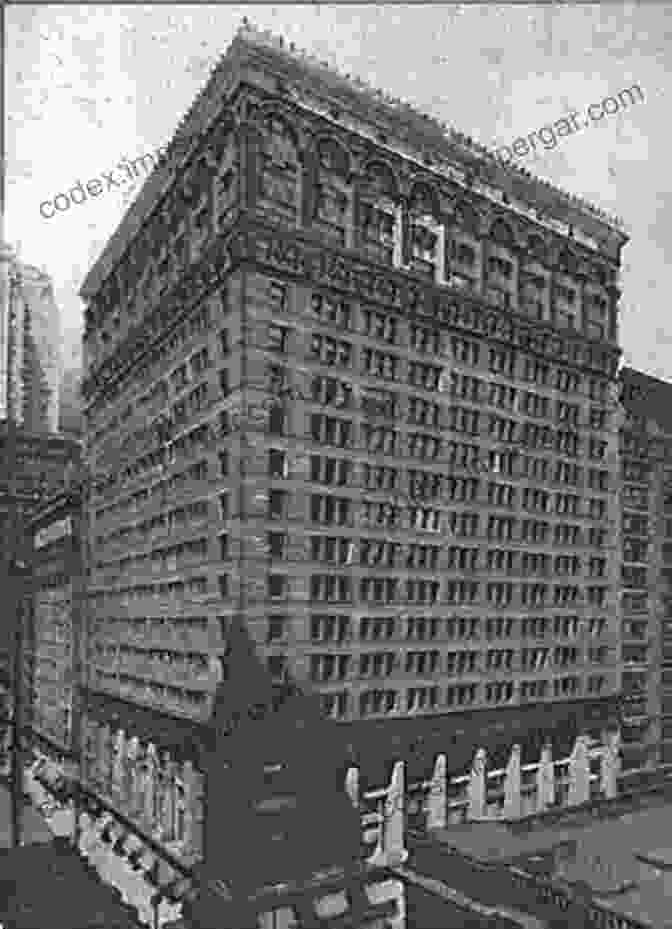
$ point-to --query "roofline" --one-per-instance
(207, 105)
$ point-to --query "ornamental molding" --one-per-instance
(432, 303)
(200, 280)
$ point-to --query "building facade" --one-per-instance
(30, 363)
(33, 467)
(354, 381)
(52, 641)
(646, 443)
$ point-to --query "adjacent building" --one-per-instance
(353, 382)
(51, 644)
(30, 365)
(646, 598)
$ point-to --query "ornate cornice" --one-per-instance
(197, 283)
(414, 297)
(286, 252)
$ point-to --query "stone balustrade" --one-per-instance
(164, 798)
(511, 793)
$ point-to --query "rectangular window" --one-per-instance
(277, 586)
(277, 463)
(277, 339)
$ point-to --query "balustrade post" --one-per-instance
(167, 780)
(352, 786)
(436, 808)
(394, 822)
(579, 769)
(118, 768)
(150, 788)
(512, 785)
(545, 779)
(103, 766)
(477, 786)
(610, 764)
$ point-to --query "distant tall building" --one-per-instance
(70, 408)
(646, 597)
(30, 364)
(383, 368)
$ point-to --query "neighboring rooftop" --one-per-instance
(50, 885)
(648, 397)
(610, 854)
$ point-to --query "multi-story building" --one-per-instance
(646, 599)
(382, 367)
(30, 365)
(33, 467)
(51, 641)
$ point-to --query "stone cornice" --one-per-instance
(400, 120)
(307, 78)
(197, 283)
(289, 252)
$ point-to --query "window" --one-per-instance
(277, 628)
(277, 338)
(277, 463)
(277, 504)
(276, 420)
(380, 326)
(224, 381)
(277, 586)
(277, 544)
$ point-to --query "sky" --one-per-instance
(87, 86)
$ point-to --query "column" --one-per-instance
(150, 787)
(610, 764)
(476, 788)
(393, 839)
(118, 763)
(436, 812)
(579, 768)
(133, 776)
(512, 781)
(193, 812)
(545, 779)
(352, 786)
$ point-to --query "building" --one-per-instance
(52, 642)
(30, 364)
(33, 468)
(646, 450)
(70, 413)
(354, 381)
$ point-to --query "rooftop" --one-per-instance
(425, 133)
(70, 895)
(648, 397)
(610, 854)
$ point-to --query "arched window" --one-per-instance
(278, 170)
(425, 235)
(378, 220)
(501, 233)
(333, 195)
